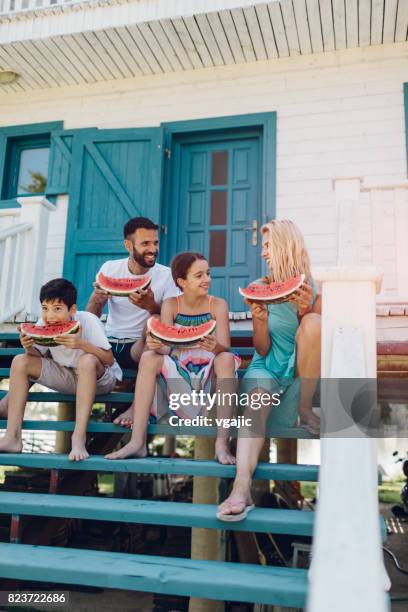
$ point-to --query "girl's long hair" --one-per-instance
(288, 255)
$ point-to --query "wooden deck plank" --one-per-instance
(315, 25)
(187, 42)
(390, 19)
(267, 30)
(160, 465)
(219, 35)
(172, 576)
(326, 15)
(243, 35)
(339, 19)
(199, 42)
(364, 23)
(352, 23)
(165, 44)
(169, 30)
(377, 21)
(291, 28)
(146, 512)
(208, 36)
(402, 21)
(255, 33)
(302, 24)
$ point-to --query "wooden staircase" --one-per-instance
(281, 586)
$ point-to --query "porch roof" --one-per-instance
(67, 43)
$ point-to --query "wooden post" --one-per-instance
(66, 412)
(286, 450)
(205, 543)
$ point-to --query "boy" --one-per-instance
(82, 363)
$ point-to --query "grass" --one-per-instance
(388, 492)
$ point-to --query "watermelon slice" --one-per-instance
(180, 337)
(274, 293)
(123, 287)
(45, 335)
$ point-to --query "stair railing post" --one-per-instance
(347, 571)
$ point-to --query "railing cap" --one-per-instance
(349, 274)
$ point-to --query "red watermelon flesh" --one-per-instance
(272, 293)
(45, 334)
(180, 337)
(123, 287)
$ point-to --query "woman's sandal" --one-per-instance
(233, 518)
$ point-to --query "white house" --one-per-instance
(210, 117)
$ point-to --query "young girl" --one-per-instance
(186, 369)
(286, 361)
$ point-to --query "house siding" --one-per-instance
(339, 115)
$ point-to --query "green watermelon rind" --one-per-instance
(48, 341)
(183, 343)
(104, 284)
(280, 297)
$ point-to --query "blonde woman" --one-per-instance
(286, 364)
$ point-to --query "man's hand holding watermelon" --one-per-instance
(144, 298)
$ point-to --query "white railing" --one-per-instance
(347, 570)
(13, 253)
(23, 240)
(11, 7)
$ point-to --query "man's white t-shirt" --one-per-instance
(125, 320)
(92, 332)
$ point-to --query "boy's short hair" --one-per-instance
(59, 289)
(138, 223)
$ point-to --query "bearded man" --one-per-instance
(127, 316)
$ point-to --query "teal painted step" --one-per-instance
(116, 397)
(164, 430)
(293, 522)
(217, 580)
(159, 465)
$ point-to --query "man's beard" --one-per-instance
(140, 259)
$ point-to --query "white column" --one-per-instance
(347, 571)
(347, 194)
(35, 210)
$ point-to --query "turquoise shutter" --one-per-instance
(115, 175)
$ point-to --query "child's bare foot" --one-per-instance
(125, 419)
(132, 449)
(310, 421)
(10, 444)
(222, 452)
(78, 452)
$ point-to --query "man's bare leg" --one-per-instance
(23, 368)
(89, 370)
(125, 419)
(149, 368)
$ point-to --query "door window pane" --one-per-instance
(219, 168)
(33, 171)
(218, 248)
(218, 208)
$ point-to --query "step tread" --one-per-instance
(158, 429)
(274, 520)
(160, 465)
(172, 576)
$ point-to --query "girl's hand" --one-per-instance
(303, 299)
(154, 344)
(72, 341)
(259, 311)
(208, 343)
(26, 341)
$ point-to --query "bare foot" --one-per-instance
(238, 499)
(125, 419)
(222, 452)
(78, 452)
(10, 445)
(132, 449)
(310, 421)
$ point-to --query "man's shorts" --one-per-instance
(65, 380)
(121, 352)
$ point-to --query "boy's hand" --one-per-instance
(208, 343)
(259, 311)
(144, 298)
(26, 341)
(72, 341)
(154, 344)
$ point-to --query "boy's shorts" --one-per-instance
(65, 380)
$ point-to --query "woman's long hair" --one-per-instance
(287, 251)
